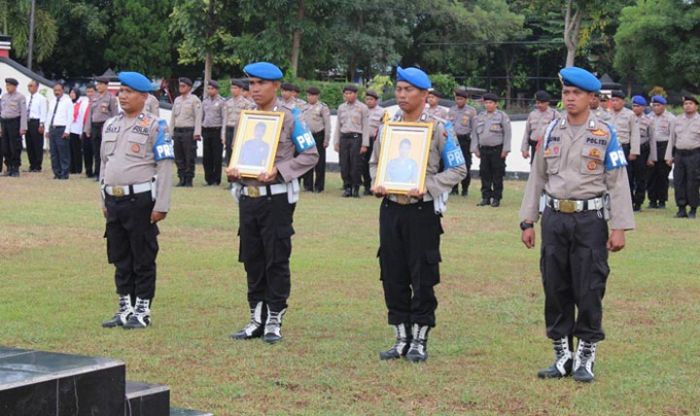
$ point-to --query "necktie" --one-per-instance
(29, 107)
(58, 100)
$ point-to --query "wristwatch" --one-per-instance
(525, 225)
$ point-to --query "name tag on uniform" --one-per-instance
(112, 129)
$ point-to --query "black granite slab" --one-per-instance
(147, 399)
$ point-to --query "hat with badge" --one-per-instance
(617, 94)
(136, 81)
(372, 93)
(639, 100)
(350, 87)
(238, 83)
(542, 96)
(690, 98)
(214, 84)
(11, 81)
(489, 96)
(313, 91)
(185, 80)
(263, 70)
(658, 99)
(461, 92)
(414, 76)
(574, 76)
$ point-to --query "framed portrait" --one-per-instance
(404, 156)
(255, 144)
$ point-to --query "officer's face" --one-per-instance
(101, 87)
(595, 102)
(89, 92)
(370, 101)
(689, 107)
(32, 87)
(461, 101)
(542, 105)
(10, 88)
(211, 91)
(184, 88)
(409, 98)
(576, 100)
(349, 96)
(658, 108)
(130, 100)
(286, 94)
(58, 90)
(490, 106)
(235, 90)
(313, 98)
(432, 100)
(263, 91)
(638, 109)
(617, 103)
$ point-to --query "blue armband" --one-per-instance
(452, 155)
(614, 155)
(163, 147)
(301, 135)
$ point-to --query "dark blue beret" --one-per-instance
(578, 77)
(413, 76)
(659, 100)
(639, 100)
(690, 98)
(263, 70)
(136, 81)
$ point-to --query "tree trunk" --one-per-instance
(572, 26)
(30, 43)
(296, 40)
(208, 64)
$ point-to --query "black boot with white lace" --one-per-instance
(254, 328)
(563, 360)
(122, 315)
(273, 326)
(403, 341)
(418, 352)
(141, 318)
(584, 361)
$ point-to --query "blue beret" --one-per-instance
(639, 100)
(413, 76)
(658, 99)
(578, 77)
(136, 81)
(263, 70)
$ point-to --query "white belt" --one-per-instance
(260, 191)
(569, 206)
(128, 190)
(406, 200)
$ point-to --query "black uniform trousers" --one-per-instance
(132, 244)
(366, 178)
(658, 182)
(211, 154)
(185, 151)
(350, 159)
(320, 169)
(35, 144)
(96, 137)
(60, 152)
(11, 144)
(265, 247)
(640, 174)
(465, 144)
(76, 153)
(492, 170)
(88, 156)
(574, 266)
(409, 260)
(230, 132)
(686, 177)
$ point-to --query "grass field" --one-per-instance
(57, 287)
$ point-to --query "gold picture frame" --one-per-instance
(403, 158)
(255, 144)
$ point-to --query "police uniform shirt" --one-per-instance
(152, 105)
(491, 129)
(601, 114)
(37, 110)
(213, 109)
(462, 119)
(353, 118)
(685, 134)
(436, 111)
(289, 167)
(318, 118)
(128, 158)
(292, 103)
(570, 164)
(646, 134)
(102, 107)
(376, 116)
(662, 125)
(627, 127)
(436, 182)
(233, 108)
(14, 105)
(536, 124)
(187, 113)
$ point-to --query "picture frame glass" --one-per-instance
(403, 158)
(255, 142)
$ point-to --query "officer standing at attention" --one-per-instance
(186, 122)
(627, 127)
(641, 166)
(289, 97)
(599, 110)
(232, 112)
(317, 116)
(409, 229)
(152, 105)
(214, 109)
(13, 122)
(36, 114)
(266, 210)
(491, 143)
(103, 105)
(661, 126)
(579, 167)
(434, 108)
(136, 178)
(537, 122)
(376, 117)
(351, 140)
(462, 117)
(683, 151)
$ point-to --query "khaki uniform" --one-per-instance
(537, 122)
(684, 149)
(214, 110)
(187, 113)
(232, 112)
(491, 137)
(186, 122)
(602, 114)
(627, 127)
(463, 120)
(13, 119)
(376, 118)
(318, 118)
(102, 107)
(437, 111)
(152, 105)
(292, 103)
(658, 178)
(647, 152)
(352, 133)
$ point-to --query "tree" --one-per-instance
(15, 16)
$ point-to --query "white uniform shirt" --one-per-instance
(64, 112)
(37, 109)
(79, 117)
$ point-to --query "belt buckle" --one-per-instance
(253, 192)
(567, 206)
(118, 191)
(403, 199)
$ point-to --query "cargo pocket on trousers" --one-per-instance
(110, 256)
(599, 269)
(283, 243)
(432, 266)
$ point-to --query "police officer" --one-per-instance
(317, 116)
(295, 93)
(351, 140)
(152, 105)
(213, 107)
(627, 126)
(376, 116)
(661, 126)
(491, 143)
(434, 108)
(641, 166)
(266, 208)
(186, 121)
(409, 229)
(103, 105)
(579, 171)
(537, 122)
(599, 107)
(136, 178)
(36, 122)
(232, 112)
(289, 96)
(13, 122)
(683, 152)
(462, 117)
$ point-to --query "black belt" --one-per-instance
(11, 118)
(350, 135)
(98, 123)
(687, 152)
(491, 148)
(34, 119)
(645, 145)
(212, 128)
(56, 127)
(184, 129)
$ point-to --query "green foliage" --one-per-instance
(381, 84)
(444, 83)
(14, 16)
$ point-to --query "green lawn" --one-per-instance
(57, 287)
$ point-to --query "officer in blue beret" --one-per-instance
(579, 176)
(662, 121)
(136, 176)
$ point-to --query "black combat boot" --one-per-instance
(418, 352)
(188, 182)
(400, 348)
(584, 361)
(455, 190)
(181, 182)
(273, 326)
(636, 207)
(347, 193)
(496, 203)
(653, 205)
(254, 328)
(662, 204)
(141, 318)
(465, 192)
(125, 311)
(563, 360)
(484, 202)
(367, 191)
(681, 212)
(692, 212)
(355, 191)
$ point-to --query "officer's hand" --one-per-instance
(65, 135)
(268, 177)
(233, 174)
(379, 191)
(477, 154)
(22, 132)
(87, 134)
(528, 237)
(415, 193)
(104, 212)
(336, 146)
(616, 242)
(650, 163)
(197, 137)
(504, 154)
(157, 216)
(363, 150)
(41, 129)
(632, 157)
(669, 162)
(526, 155)
(325, 145)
